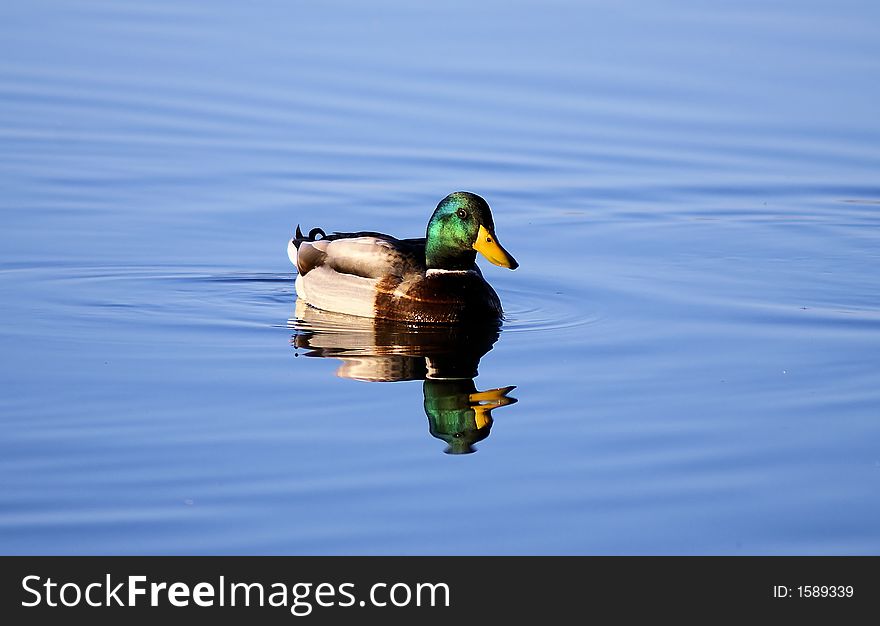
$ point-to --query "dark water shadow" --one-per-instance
(445, 357)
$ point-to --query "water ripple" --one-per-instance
(537, 310)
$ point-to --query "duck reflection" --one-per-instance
(446, 358)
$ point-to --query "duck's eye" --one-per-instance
(462, 214)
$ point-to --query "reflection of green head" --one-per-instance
(451, 416)
(459, 414)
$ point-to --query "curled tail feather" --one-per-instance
(309, 256)
(312, 236)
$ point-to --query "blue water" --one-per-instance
(693, 193)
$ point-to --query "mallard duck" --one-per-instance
(433, 279)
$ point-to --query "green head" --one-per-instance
(460, 227)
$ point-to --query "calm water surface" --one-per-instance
(692, 191)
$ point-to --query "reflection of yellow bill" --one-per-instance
(482, 402)
(487, 245)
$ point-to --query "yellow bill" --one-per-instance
(495, 397)
(482, 402)
(487, 245)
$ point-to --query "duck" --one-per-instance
(432, 279)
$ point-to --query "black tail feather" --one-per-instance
(312, 236)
